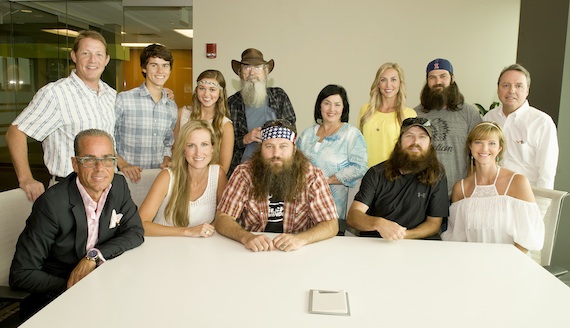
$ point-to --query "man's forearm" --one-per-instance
(36, 281)
(362, 221)
(18, 146)
(323, 230)
(428, 228)
(227, 226)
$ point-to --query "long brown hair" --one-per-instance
(449, 97)
(221, 107)
(177, 206)
(376, 97)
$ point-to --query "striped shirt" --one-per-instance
(62, 109)
(144, 130)
(315, 204)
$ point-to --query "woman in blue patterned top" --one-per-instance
(335, 147)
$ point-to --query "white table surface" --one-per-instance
(216, 282)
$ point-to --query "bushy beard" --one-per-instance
(281, 180)
(438, 98)
(424, 165)
(254, 92)
(413, 162)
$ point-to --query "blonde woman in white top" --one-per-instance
(210, 103)
(182, 200)
(493, 204)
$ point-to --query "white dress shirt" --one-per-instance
(532, 143)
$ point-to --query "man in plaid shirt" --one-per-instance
(145, 117)
(254, 104)
(288, 195)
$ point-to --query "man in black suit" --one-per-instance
(76, 225)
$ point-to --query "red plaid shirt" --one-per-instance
(315, 204)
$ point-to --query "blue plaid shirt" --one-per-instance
(144, 130)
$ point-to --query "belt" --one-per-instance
(58, 179)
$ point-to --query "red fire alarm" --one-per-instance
(211, 51)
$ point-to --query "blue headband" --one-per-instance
(277, 132)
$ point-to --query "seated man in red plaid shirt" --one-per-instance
(280, 191)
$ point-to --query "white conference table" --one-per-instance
(216, 282)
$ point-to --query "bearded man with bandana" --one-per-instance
(288, 195)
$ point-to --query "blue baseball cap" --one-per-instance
(439, 63)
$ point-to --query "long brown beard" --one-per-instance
(425, 165)
(282, 182)
(254, 93)
(448, 97)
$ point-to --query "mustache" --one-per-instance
(415, 146)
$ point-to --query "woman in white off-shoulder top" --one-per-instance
(182, 200)
(493, 204)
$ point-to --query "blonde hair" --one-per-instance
(176, 210)
(376, 97)
(484, 131)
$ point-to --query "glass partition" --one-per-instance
(36, 38)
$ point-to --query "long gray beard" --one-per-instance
(254, 93)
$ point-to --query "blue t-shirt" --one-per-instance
(255, 118)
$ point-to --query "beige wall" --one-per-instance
(318, 42)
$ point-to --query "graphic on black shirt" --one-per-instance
(275, 215)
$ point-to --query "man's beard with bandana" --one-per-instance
(283, 180)
(439, 97)
(254, 91)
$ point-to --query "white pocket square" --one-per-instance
(115, 219)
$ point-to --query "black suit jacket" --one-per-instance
(55, 236)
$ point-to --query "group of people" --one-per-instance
(237, 165)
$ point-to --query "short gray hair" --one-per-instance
(90, 133)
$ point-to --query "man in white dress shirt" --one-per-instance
(532, 142)
(62, 109)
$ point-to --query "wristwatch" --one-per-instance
(93, 255)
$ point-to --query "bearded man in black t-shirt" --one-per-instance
(405, 196)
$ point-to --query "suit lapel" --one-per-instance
(78, 210)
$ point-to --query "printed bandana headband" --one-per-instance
(211, 83)
(277, 132)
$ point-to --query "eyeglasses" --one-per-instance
(256, 69)
(90, 161)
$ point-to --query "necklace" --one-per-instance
(330, 133)
(378, 120)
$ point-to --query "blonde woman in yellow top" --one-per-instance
(381, 118)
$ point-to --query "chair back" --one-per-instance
(141, 188)
(16, 209)
(550, 204)
(350, 231)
